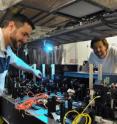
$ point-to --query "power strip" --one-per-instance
(104, 121)
(100, 120)
(5, 120)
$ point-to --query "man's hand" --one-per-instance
(37, 73)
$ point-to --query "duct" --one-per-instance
(80, 8)
(40, 32)
(5, 4)
(110, 4)
(63, 5)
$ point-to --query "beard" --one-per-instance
(15, 44)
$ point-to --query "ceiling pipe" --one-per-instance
(109, 4)
(5, 4)
(62, 6)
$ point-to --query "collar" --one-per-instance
(2, 42)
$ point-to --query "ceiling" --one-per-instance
(66, 21)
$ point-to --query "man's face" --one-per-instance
(100, 49)
(20, 35)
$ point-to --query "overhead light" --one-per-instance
(110, 4)
(5, 4)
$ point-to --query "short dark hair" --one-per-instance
(21, 19)
(95, 40)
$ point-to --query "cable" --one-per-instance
(82, 114)
(30, 93)
(26, 105)
(41, 96)
(90, 103)
(65, 117)
(78, 117)
(34, 100)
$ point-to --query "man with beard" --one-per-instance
(103, 54)
(15, 32)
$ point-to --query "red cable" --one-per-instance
(28, 103)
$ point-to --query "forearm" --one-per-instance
(20, 64)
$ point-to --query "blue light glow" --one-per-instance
(48, 47)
